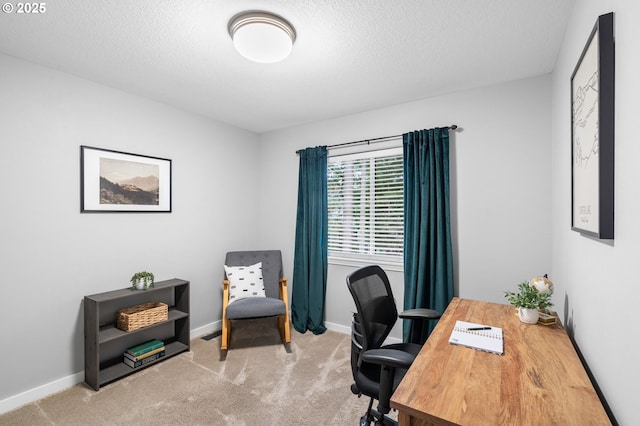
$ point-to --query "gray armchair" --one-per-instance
(275, 304)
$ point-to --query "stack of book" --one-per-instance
(145, 353)
(546, 319)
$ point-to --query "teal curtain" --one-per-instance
(428, 257)
(310, 257)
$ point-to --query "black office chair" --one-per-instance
(377, 369)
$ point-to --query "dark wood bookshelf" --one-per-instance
(105, 343)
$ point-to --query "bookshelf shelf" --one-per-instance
(120, 369)
(104, 343)
(110, 331)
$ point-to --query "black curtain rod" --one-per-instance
(368, 141)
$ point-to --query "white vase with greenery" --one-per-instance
(142, 280)
(529, 301)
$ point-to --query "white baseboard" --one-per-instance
(47, 389)
(339, 328)
(206, 329)
(40, 392)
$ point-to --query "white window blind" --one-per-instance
(366, 214)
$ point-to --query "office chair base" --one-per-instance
(372, 415)
(368, 418)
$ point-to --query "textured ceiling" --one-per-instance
(349, 56)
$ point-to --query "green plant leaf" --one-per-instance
(529, 297)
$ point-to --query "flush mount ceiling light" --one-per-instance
(262, 36)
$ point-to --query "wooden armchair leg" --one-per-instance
(283, 325)
(226, 334)
(283, 320)
(226, 324)
(287, 330)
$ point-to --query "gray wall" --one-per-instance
(500, 175)
(596, 281)
(511, 204)
(52, 255)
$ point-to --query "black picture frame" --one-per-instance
(592, 134)
(120, 182)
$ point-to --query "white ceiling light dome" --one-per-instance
(262, 36)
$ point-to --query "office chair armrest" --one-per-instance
(388, 357)
(420, 314)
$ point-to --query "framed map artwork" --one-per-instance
(592, 134)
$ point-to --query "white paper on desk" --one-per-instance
(484, 340)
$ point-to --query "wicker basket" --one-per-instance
(139, 316)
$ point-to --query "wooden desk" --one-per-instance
(538, 381)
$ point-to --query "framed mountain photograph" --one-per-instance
(114, 181)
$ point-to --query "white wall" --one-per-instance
(51, 255)
(500, 177)
(598, 278)
(510, 205)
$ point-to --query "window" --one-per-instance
(366, 214)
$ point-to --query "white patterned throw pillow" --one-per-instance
(245, 281)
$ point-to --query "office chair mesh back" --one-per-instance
(376, 308)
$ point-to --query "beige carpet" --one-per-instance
(259, 383)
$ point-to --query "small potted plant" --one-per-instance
(142, 280)
(529, 300)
